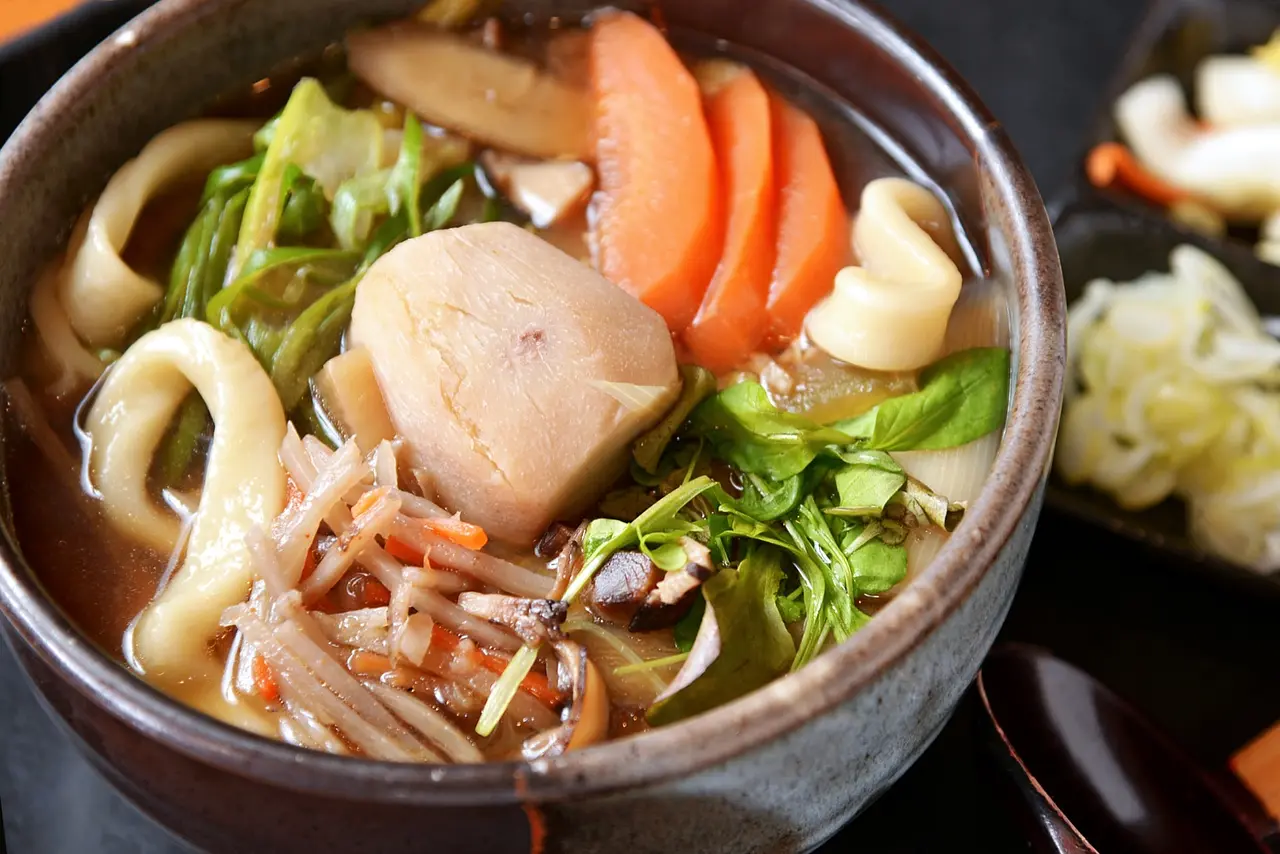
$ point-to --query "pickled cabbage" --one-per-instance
(1174, 390)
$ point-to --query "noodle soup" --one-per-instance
(493, 394)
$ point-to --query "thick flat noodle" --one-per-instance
(244, 486)
(76, 366)
(890, 314)
(102, 296)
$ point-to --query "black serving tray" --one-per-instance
(1113, 234)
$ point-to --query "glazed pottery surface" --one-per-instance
(779, 770)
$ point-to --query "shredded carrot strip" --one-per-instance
(363, 663)
(535, 684)
(264, 680)
(403, 552)
(456, 531)
(368, 500)
(1111, 164)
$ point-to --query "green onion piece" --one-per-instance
(651, 664)
(304, 207)
(222, 244)
(446, 207)
(312, 420)
(327, 266)
(404, 185)
(310, 341)
(504, 690)
(179, 449)
(232, 178)
(181, 272)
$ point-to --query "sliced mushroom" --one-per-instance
(586, 721)
(503, 100)
(536, 621)
(547, 190)
(569, 561)
(553, 541)
(622, 585)
(675, 594)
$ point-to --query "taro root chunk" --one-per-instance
(517, 376)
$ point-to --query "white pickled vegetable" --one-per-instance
(1176, 391)
(1233, 168)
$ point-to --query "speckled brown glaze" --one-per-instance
(778, 770)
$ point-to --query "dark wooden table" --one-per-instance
(1194, 656)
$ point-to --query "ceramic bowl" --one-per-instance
(778, 770)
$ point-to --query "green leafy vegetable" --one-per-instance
(962, 397)
(866, 483)
(878, 566)
(742, 644)
(686, 630)
(326, 142)
(606, 536)
(928, 506)
(747, 430)
(790, 607)
(698, 385)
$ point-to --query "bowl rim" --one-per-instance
(1011, 494)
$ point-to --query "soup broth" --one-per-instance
(511, 419)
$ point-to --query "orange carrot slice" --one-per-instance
(813, 226)
(657, 216)
(732, 318)
(403, 552)
(1111, 163)
(535, 683)
(453, 529)
(264, 680)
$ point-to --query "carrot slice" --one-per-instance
(403, 552)
(1111, 163)
(456, 531)
(657, 216)
(373, 593)
(813, 226)
(732, 318)
(535, 683)
(264, 680)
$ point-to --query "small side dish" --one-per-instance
(1174, 391)
(1213, 170)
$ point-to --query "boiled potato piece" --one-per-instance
(516, 375)
(449, 81)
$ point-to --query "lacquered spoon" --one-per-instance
(1089, 773)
